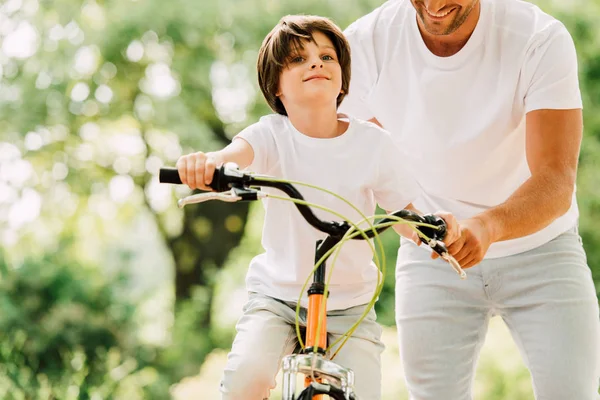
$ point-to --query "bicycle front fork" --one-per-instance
(315, 367)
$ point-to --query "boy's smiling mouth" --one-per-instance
(314, 77)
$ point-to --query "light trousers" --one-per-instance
(545, 296)
(266, 333)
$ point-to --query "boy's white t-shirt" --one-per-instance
(362, 165)
(460, 121)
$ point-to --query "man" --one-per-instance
(483, 99)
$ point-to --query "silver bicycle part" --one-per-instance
(314, 366)
(455, 265)
(230, 196)
(451, 260)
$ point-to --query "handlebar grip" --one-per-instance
(169, 175)
(438, 234)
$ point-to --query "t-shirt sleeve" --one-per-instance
(395, 187)
(551, 71)
(261, 139)
(363, 72)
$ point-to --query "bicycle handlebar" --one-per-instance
(224, 178)
(228, 177)
(235, 185)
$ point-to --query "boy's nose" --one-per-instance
(314, 66)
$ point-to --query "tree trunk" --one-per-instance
(211, 230)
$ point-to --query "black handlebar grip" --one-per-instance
(219, 181)
(438, 234)
(169, 175)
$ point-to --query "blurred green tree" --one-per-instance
(96, 95)
(68, 332)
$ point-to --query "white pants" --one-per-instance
(545, 296)
(266, 333)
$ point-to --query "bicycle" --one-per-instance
(321, 376)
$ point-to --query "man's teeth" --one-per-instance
(438, 15)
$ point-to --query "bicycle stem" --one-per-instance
(316, 333)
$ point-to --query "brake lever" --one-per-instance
(433, 238)
(230, 196)
(455, 265)
(440, 248)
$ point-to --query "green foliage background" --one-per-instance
(107, 290)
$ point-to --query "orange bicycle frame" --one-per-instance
(317, 300)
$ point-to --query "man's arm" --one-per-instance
(553, 139)
(552, 143)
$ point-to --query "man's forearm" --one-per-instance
(539, 201)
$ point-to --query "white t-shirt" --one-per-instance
(460, 120)
(361, 165)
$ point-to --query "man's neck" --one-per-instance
(449, 45)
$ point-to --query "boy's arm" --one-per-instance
(405, 230)
(238, 151)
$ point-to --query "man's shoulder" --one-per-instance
(523, 22)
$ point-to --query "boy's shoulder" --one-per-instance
(365, 127)
(272, 119)
(273, 122)
(270, 124)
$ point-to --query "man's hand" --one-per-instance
(472, 244)
(452, 230)
(452, 227)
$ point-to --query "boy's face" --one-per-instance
(312, 77)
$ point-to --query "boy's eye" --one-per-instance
(297, 59)
(327, 57)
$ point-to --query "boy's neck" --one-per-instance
(318, 123)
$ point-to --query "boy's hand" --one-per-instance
(197, 170)
(407, 232)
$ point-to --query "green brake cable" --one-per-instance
(376, 236)
(351, 233)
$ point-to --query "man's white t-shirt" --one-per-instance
(459, 121)
(361, 165)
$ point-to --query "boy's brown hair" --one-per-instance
(287, 36)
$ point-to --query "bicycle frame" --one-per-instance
(313, 364)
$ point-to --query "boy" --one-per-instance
(304, 73)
